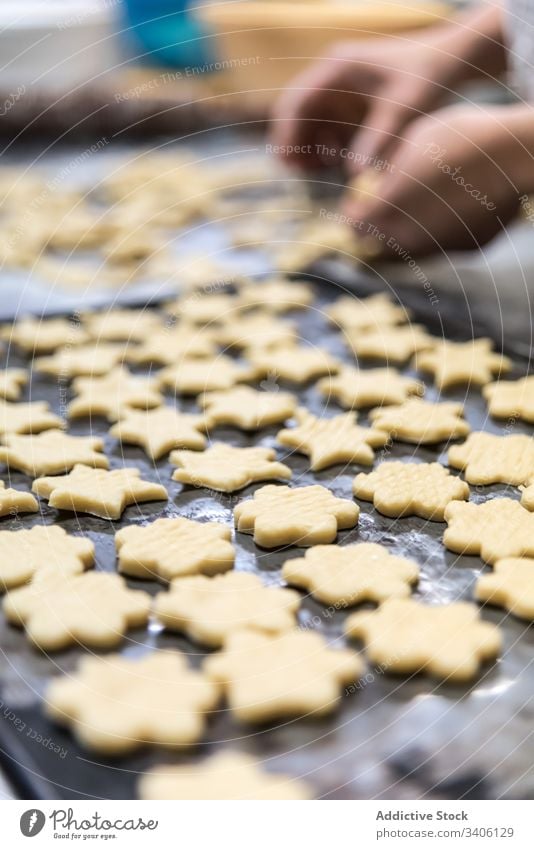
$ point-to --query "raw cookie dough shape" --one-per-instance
(347, 575)
(293, 363)
(113, 394)
(404, 636)
(453, 363)
(510, 585)
(208, 610)
(391, 344)
(97, 491)
(123, 325)
(171, 548)
(330, 441)
(268, 678)
(116, 704)
(193, 377)
(11, 382)
(248, 409)
(421, 422)
(277, 296)
(257, 331)
(93, 609)
(410, 489)
(376, 311)
(225, 776)
(33, 417)
(41, 336)
(226, 468)
(486, 458)
(494, 529)
(173, 344)
(308, 515)
(27, 552)
(513, 399)
(85, 361)
(159, 431)
(13, 501)
(353, 388)
(208, 309)
(51, 452)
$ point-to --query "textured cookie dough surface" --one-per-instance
(226, 775)
(51, 452)
(248, 409)
(510, 585)
(372, 313)
(195, 376)
(269, 677)
(486, 458)
(13, 501)
(391, 344)
(354, 388)
(308, 515)
(33, 417)
(226, 468)
(99, 492)
(494, 529)
(208, 309)
(93, 609)
(410, 489)
(115, 704)
(171, 548)
(293, 363)
(513, 399)
(421, 422)
(12, 381)
(122, 325)
(84, 361)
(159, 431)
(172, 344)
(257, 331)
(277, 296)
(404, 636)
(41, 336)
(454, 363)
(25, 553)
(334, 440)
(113, 394)
(350, 574)
(208, 610)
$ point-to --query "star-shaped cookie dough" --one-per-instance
(474, 363)
(11, 382)
(372, 313)
(171, 548)
(257, 331)
(293, 363)
(511, 399)
(27, 552)
(391, 344)
(13, 501)
(277, 295)
(449, 641)
(308, 515)
(41, 336)
(248, 409)
(51, 452)
(99, 492)
(226, 468)
(354, 388)
(201, 309)
(486, 458)
(510, 585)
(268, 677)
(116, 704)
(122, 325)
(421, 422)
(347, 575)
(192, 377)
(27, 418)
(208, 610)
(159, 431)
(84, 361)
(172, 344)
(410, 489)
(226, 775)
(494, 529)
(94, 609)
(113, 394)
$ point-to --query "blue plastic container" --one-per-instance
(166, 32)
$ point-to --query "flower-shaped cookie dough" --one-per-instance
(208, 610)
(511, 399)
(256, 331)
(248, 409)
(194, 376)
(277, 295)
(159, 431)
(122, 325)
(85, 361)
(94, 609)
(41, 336)
(354, 388)
(410, 489)
(171, 548)
(391, 344)
(510, 585)
(405, 636)
(330, 441)
(113, 394)
(99, 492)
(421, 422)
(293, 363)
(27, 418)
(116, 704)
(347, 575)
(172, 344)
(308, 515)
(226, 775)
(13, 501)
(494, 529)
(11, 382)
(208, 309)
(372, 313)
(51, 452)
(27, 552)
(473, 363)
(226, 468)
(268, 677)
(486, 458)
